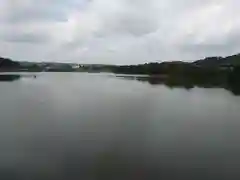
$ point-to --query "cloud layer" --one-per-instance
(118, 31)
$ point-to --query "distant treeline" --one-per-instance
(208, 66)
(208, 72)
(6, 63)
(205, 68)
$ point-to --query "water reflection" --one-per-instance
(93, 127)
(187, 84)
(8, 77)
(14, 77)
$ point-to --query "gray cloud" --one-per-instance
(26, 38)
(118, 31)
(225, 45)
(35, 15)
(34, 10)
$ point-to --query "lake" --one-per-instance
(67, 126)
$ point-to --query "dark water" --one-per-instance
(63, 126)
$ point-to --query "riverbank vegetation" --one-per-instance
(209, 72)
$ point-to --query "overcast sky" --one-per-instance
(118, 31)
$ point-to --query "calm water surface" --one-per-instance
(63, 126)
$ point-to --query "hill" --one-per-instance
(209, 64)
(219, 61)
(6, 63)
